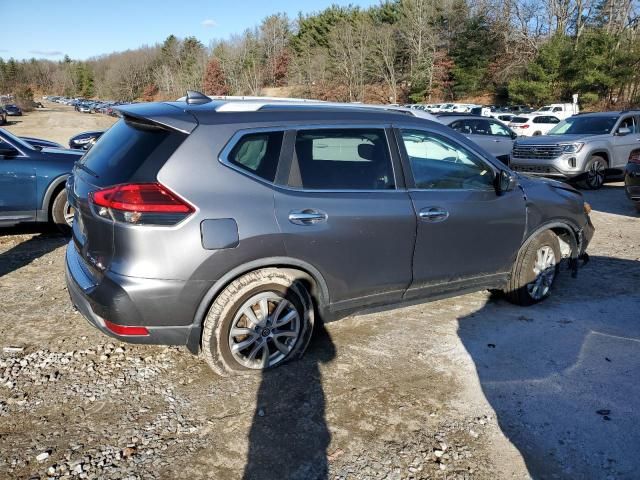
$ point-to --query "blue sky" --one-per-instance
(86, 28)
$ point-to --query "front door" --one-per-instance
(342, 212)
(466, 232)
(17, 185)
(624, 144)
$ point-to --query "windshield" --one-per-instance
(520, 119)
(544, 109)
(584, 126)
(18, 142)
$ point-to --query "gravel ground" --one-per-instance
(469, 387)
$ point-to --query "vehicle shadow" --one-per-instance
(46, 240)
(611, 198)
(289, 434)
(562, 376)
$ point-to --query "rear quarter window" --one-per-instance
(257, 153)
(130, 151)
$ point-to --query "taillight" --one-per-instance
(634, 156)
(524, 126)
(126, 329)
(140, 204)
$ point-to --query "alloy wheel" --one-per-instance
(264, 331)
(595, 175)
(69, 213)
(545, 270)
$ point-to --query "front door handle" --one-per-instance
(434, 214)
(307, 217)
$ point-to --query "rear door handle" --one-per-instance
(307, 217)
(434, 214)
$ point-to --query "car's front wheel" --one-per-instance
(594, 173)
(535, 270)
(259, 321)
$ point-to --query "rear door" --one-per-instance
(344, 210)
(466, 233)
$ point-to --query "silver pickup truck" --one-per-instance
(589, 147)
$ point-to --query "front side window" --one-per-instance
(499, 130)
(440, 163)
(628, 122)
(471, 127)
(342, 159)
(258, 153)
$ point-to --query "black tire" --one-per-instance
(216, 335)
(59, 209)
(537, 134)
(523, 274)
(593, 181)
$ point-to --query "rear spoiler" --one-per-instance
(163, 114)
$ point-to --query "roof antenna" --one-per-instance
(196, 98)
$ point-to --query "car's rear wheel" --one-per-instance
(62, 213)
(594, 173)
(259, 321)
(535, 270)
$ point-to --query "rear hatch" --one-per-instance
(121, 166)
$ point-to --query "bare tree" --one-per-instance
(384, 57)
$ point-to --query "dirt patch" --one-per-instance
(57, 122)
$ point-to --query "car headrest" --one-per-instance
(366, 151)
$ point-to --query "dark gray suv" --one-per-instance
(231, 227)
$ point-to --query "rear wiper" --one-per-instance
(82, 166)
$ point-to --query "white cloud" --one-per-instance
(209, 23)
(46, 53)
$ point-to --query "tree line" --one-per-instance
(520, 51)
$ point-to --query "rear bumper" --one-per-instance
(116, 302)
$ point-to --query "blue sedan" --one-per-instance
(32, 182)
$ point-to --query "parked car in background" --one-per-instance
(560, 110)
(84, 108)
(3, 116)
(13, 110)
(518, 109)
(85, 140)
(32, 182)
(495, 137)
(503, 117)
(41, 143)
(252, 226)
(632, 177)
(589, 148)
(533, 125)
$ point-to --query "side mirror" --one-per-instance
(7, 151)
(504, 182)
(513, 135)
(622, 131)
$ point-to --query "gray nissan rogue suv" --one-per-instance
(231, 227)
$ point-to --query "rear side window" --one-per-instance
(342, 159)
(130, 151)
(258, 153)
